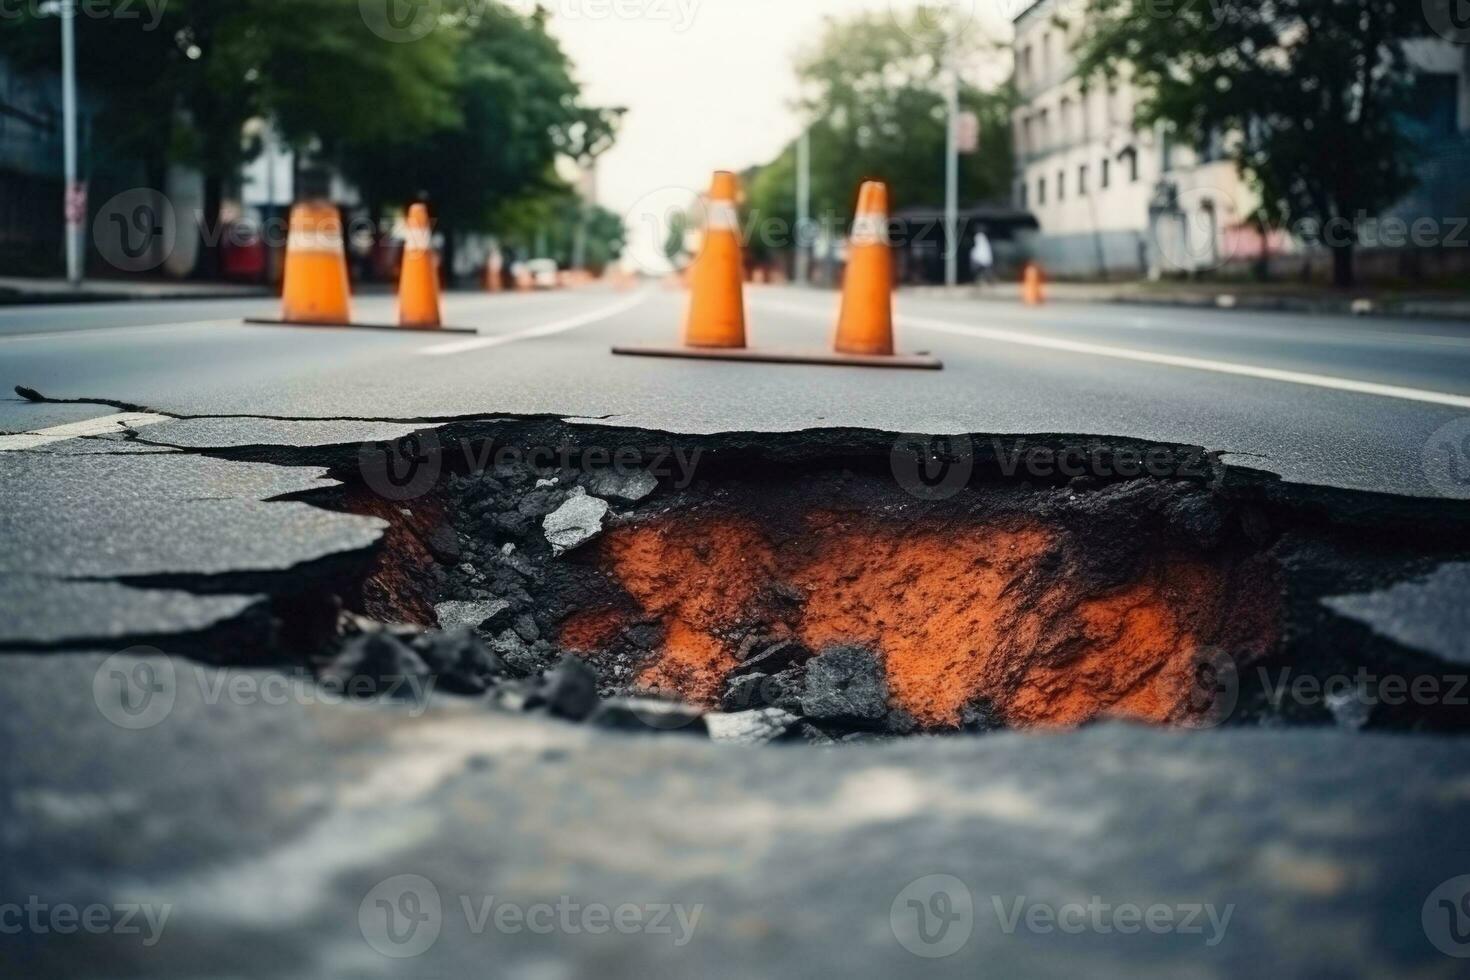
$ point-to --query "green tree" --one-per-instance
(548, 224)
(179, 88)
(516, 107)
(875, 90)
(1308, 91)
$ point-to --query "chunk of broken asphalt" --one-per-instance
(462, 661)
(624, 487)
(575, 522)
(846, 685)
(456, 614)
(744, 692)
(750, 727)
(568, 690)
(444, 544)
(649, 716)
(773, 658)
(371, 664)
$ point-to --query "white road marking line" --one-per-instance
(77, 430)
(545, 330)
(1169, 360)
(1192, 363)
(139, 329)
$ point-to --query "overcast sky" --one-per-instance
(707, 83)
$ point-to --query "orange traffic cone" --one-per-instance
(716, 326)
(494, 265)
(1033, 286)
(315, 288)
(865, 325)
(418, 283)
(315, 292)
(717, 307)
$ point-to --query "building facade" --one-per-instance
(1114, 201)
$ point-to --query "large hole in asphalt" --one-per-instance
(852, 586)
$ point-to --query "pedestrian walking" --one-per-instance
(982, 259)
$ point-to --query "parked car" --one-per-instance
(543, 273)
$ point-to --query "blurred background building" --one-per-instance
(1115, 201)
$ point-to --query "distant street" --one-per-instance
(1347, 402)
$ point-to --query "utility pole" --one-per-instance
(75, 206)
(804, 208)
(952, 172)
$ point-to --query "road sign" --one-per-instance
(967, 132)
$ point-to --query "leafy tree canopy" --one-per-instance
(1307, 91)
(875, 90)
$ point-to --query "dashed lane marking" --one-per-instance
(1310, 379)
(544, 330)
(105, 425)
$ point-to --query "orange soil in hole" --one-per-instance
(957, 613)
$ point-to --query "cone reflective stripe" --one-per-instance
(715, 330)
(865, 325)
(418, 283)
(717, 306)
(315, 288)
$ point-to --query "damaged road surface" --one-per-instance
(336, 693)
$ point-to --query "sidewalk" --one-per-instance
(1282, 298)
(16, 290)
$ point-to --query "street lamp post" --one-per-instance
(952, 174)
(804, 207)
(75, 202)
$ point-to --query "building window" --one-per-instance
(1041, 191)
(1061, 185)
(1130, 157)
(1021, 195)
(1106, 176)
(1082, 180)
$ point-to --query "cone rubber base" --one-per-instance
(922, 362)
(263, 322)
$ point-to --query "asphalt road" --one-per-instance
(273, 832)
(1296, 395)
